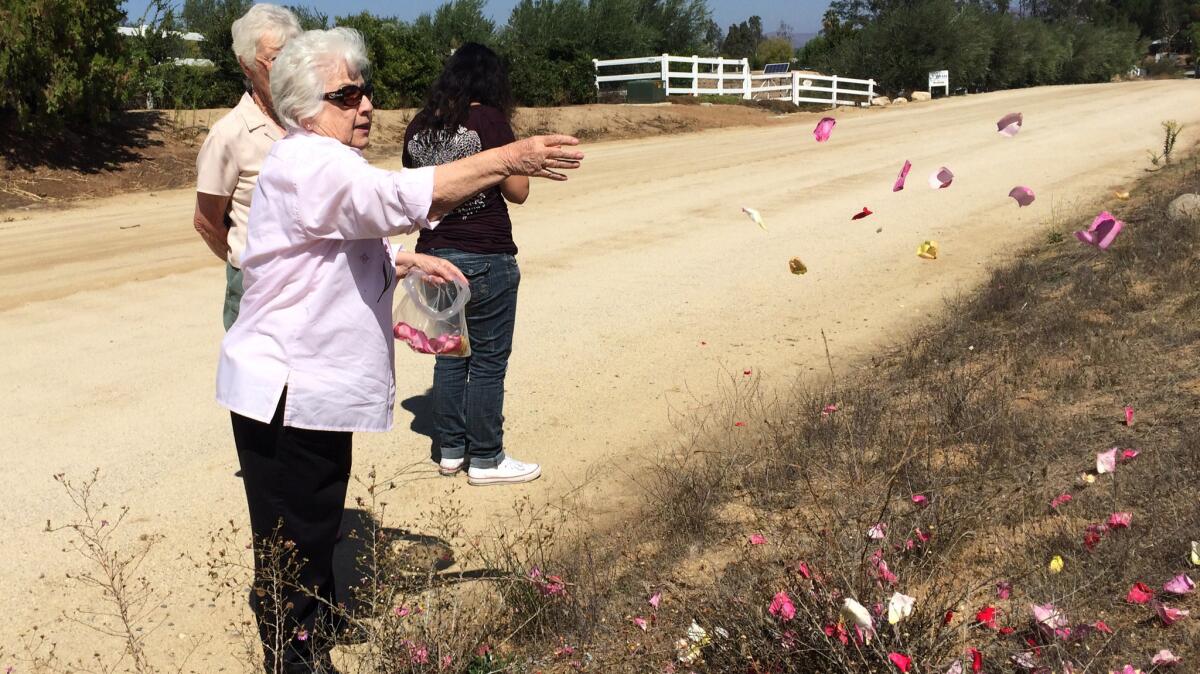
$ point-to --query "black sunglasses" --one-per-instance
(350, 95)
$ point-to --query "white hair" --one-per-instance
(298, 76)
(261, 21)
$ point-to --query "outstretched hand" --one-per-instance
(538, 156)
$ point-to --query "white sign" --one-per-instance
(939, 78)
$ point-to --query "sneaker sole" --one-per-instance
(449, 472)
(516, 479)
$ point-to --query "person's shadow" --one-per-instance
(421, 408)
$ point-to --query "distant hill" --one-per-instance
(797, 39)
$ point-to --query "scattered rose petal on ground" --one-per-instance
(1048, 615)
(885, 573)
(1128, 415)
(1023, 196)
(757, 539)
(1164, 658)
(976, 660)
(1180, 585)
(824, 128)
(1086, 479)
(1140, 593)
(1059, 500)
(928, 250)
(986, 617)
(1119, 520)
(862, 214)
(839, 631)
(641, 623)
(856, 613)
(1102, 626)
(655, 599)
(797, 266)
(782, 606)
(1024, 660)
(1127, 669)
(902, 662)
(755, 216)
(1194, 553)
(920, 499)
(1123, 196)
(948, 618)
(739, 424)
(802, 568)
(1128, 455)
(1168, 615)
(1003, 589)
(955, 667)
(900, 179)
(877, 532)
(828, 409)
(302, 635)
(941, 178)
(1010, 124)
(1102, 232)
(1056, 564)
(1093, 535)
(1106, 462)
(900, 606)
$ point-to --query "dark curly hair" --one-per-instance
(474, 74)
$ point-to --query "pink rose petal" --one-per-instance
(862, 214)
(782, 606)
(1003, 589)
(1140, 593)
(1180, 584)
(1010, 124)
(1128, 455)
(1168, 615)
(941, 178)
(1106, 462)
(899, 185)
(824, 128)
(1119, 520)
(1102, 232)
(877, 532)
(902, 662)
(655, 599)
(757, 539)
(1165, 658)
(1128, 415)
(920, 499)
(1023, 195)
(641, 622)
(1059, 500)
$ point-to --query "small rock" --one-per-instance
(881, 100)
(899, 101)
(921, 96)
(1185, 207)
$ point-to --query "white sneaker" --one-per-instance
(510, 471)
(450, 467)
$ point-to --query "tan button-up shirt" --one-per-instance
(229, 162)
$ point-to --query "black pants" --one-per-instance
(296, 483)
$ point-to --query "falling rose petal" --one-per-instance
(928, 250)
(956, 667)
(823, 129)
(797, 266)
(1003, 589)
(1060, 500)
(739, 424)
(1102, 232)
(1023, 195)
(655, 599)
(1128, 415)
(877, 532)
(900, 606)
(747, 372)
(1106, 462)
(755, 216)
(641, 622)
(1056, 564)
(941, 178)
(1010, 124)
(1140, 593)
(976, 660)
(1119, 520)
(1180, 584)
(899, 184)
(902, 662)
(862, 214)
(1168, 615)
(1165, 658)
(782, 606)
(1194, 553)
(757, 539)
(986, 617)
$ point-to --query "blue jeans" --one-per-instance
(468, 393)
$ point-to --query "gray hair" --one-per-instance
(270, 21)
(298, 76)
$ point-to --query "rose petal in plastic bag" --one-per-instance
(941, 178)
(1023, 195)
(824, 128)
(1010, 124)
(899, 185)
(1103, 230)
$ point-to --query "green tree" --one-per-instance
(773, 50)
(743, 38)
(62, 61)
(310, 18)
(213, 19)
(458, 22)
(404, 60)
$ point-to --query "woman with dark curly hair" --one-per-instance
(467, 112)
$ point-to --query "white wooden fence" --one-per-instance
(722, 76)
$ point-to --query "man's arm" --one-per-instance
(209, 221)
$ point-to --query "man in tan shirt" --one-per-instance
(228, 164)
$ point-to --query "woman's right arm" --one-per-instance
(539, 157)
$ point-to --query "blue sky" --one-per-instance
(803, 15)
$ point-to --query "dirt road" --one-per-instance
(644, 286)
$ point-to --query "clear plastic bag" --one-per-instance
(432, 318)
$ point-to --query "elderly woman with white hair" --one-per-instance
(232, 154)
(310, 358)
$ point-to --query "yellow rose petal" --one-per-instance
(1123, 196)
(1195, 556)
(928, 250)
(1056, 564)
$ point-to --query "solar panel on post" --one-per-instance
(776, 68)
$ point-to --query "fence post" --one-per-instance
(596, 68)
(695, 75)
(746, 91)
(666, 76)
(720, 76)
(795, 87)
(834, 87)
(870, 93)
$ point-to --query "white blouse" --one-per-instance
(316, 314)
